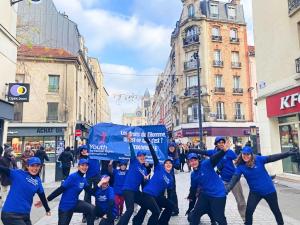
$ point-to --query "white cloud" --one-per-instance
(104, 29)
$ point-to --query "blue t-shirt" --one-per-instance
(102, 199)
(160, 181)
(73, 185)
(226, 165)
(119, 180)
(258, 179)
(94, 168)
(23, 188)
(209, 182)
(135, 175)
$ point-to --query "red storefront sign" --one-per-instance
(78, 133)
(284, 103)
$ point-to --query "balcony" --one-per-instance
(234, 40)
(294, 5)
(190, 65)
(217, 63)
(297, 61)
(217, 38)
(239, 117)
(221, 116)
(237, 90)
(219, 89)
(191, 40)
(236, 64)
(191, 92)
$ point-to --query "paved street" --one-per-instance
(289, 200)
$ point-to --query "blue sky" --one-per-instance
(129, 37)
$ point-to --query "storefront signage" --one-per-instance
(18, 92)
(284, 103)
(48, 130)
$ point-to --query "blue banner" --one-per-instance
(108, 141)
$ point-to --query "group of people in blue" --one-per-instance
(214, 174)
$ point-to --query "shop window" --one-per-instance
(289, 139)
(287, 119)
(33, 142)
(49, 144)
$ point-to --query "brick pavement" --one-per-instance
(262, 216)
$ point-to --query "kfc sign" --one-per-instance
(284, 103)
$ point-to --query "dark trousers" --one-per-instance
(172, 196)
(272, 200)
(15, 219)
(130, 197)
(154, 205)
(108, 221)
(205, 205)
(92, 183)
(64, 218)
(66, 172)
(182, 162)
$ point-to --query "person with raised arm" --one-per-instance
(259, 181)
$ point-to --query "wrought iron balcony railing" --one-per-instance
(191, 40)
(234, 40)
(236, 64)
(239, 117)
(221, 117)
(190, 65)
(237, 90)
(217, 63)
(216, 38)
(220, 89)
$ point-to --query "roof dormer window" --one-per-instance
(231, 10)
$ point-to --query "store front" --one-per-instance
(238, 135)
(6, 114)
(50, 136)
(285, 107)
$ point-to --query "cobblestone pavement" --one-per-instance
(262, 216)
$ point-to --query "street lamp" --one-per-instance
(12, 2)
(196, 57)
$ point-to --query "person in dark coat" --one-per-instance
(42, 155)
(7, 161)
(66, 159)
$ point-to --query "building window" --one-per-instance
(52, 111)
(191, 10)
(219, 81)
(53, 83)
(238, 111)
(220, 111)
(193, 113)
(234, 35)
(235, 60)
(192, 81)
(231, 12)
(216, 31)
(217, 55)
(214, 10)
(236, 82)
(191, 35)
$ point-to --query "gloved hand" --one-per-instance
(147, 140)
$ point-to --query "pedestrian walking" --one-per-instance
(24, 185)
(172, 194)
(92, 175)
(153, 193)
(226, 169)
(70, 190)
(28, 153)
(119, 176)
(66, 159)
(182, 156)
(42, 155)
(105, 202)
(259, 181)
(212, 198)
(135, 176)
(7, 161)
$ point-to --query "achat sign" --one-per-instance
(284, 103)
